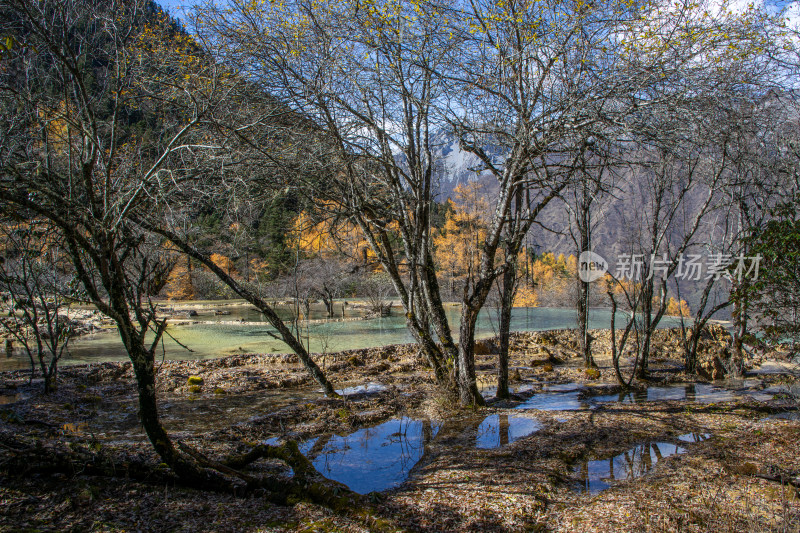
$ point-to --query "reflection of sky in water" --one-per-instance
(372, 459)
(564, 387)
(554, 401)
(210, 338)
(499, 430)
(694, 437)
(790, 415)
(490, 391)
(599, 475)
(558, 397)
(698, 392)
(361, 389)
(567, 396)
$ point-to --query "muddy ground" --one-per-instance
(737, 477)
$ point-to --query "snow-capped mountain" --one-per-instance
(452, 166)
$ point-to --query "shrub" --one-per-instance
(592, 373)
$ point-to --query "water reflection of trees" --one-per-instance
(493, 425)
(634, 463)
(396, 446)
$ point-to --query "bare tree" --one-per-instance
(246, 165)
(674, 142)
(752, 182)
(77, 77)
(587, 198)
(377, 288)
(364, 76)
(331, 277)
(32, 272)
(69, 159)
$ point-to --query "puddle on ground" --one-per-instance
(790, 391)
(558, 397)
(694, 437)
(572, 396)
(693, 392)
(789, 415)
(555, 401)
(600, 474)
(564, 387)
(775, 367)
(380, 458)
(369, 388)
(490, 391)
(372, 459)
(499, 430)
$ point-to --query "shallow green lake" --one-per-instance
(215, 336)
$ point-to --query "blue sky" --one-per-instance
(174, 6)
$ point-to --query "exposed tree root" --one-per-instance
(21, 459)
(288, 453)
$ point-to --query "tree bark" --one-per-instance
(506, 305)
(144, 370)
(468, 393)
(739, 331)
(644, 348)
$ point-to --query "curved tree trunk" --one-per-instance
(285, 333)
(144, 370)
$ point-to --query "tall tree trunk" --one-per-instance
(582, 307)
(431, 351)
(644, 349)
(583, 337)
(644, 354)
(468, 393)
(431, 295)
(739, 331)
(506, 305)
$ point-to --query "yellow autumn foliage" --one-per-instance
(678, 308)
(224, 263)
(526, 297)
(327, 238)
(179, 283)
(457, 244)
